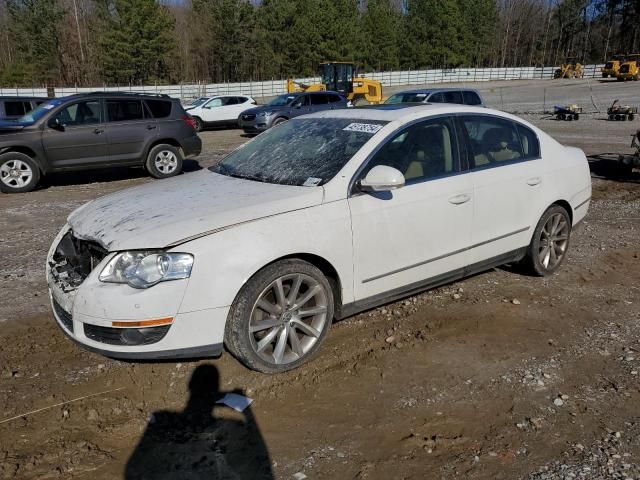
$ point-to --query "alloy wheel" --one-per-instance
(288, 318)
(15, 173)
(166, 161)
(554, 238)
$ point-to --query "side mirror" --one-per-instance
(382, 179)
(56, 124)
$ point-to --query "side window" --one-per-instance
(318, 99)
(333, 98)
(422, 151)
(216, 102)
(159, 108)
(14, 109)
(529, 141)
(492, 141)
(230, 101)
(240, 100)
(82, 113)
(436, 98)
(301, 101)
(471, 98)
(124, 110)
(453, 97)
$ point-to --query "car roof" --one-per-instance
(24, 98)
(439, 89)
(402, 111)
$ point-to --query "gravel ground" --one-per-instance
(498, 376)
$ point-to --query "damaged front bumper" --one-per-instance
(119, 321)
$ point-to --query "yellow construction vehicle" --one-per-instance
(570, 69)
(612, 67)
(342, 77)
(629, 70)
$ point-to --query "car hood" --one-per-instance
(169, 212)
(266, 108)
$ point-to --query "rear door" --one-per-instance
(78, 138)
(509, 184)
(130, 128)
(319, 102)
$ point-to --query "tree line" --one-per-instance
(96, 42)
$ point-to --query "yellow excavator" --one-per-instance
(342, 77)
(570, 69)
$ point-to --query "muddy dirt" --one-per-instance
(501, 375)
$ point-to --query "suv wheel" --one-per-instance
(18, 173)
(280, 317)
(550, 242)
(199, 125)
(164, 161)
(278, 121)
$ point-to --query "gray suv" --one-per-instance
(287, 106)
(96, 130)
(464, 96)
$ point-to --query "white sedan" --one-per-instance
(320, 218)
(220, 111)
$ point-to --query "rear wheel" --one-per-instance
(199, 124)
(164, 161)
(550, 242)
(576, 116)
(18, 173)
(280, 317)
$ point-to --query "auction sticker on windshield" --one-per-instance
(363, 127)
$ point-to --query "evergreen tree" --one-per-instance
(135, 41)
(34, 27)
(381, 25)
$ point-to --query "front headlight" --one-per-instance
(265, 114)
(143, 269)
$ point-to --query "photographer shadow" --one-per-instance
(194, 444)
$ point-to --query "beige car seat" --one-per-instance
(432, 155)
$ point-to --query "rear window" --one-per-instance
(471, 98)
(159, 108)
(16, 108)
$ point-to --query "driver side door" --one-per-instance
(417, 235)
(78, 138)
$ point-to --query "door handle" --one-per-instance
(98, 131)
(532, 182)
(151, 127)
(460, 199)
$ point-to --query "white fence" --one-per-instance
(277, 87)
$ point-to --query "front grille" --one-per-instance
(125, 336)
(73, 261)
(248, 117)
(65, 317)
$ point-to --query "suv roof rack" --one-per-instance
(118, 94)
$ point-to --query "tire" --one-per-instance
(279, 121)
(561, 116)
(19, 173)
(277, 353)
(631, 116)
(611, 117)
(199, 124)
(164, 161)
(536, 255)
(570, 117)
(576, 116)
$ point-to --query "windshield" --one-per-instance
(198, 101)
(40, 111)
(282, 100)
(407, 98)
(303, 152)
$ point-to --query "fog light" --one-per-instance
(133, 336)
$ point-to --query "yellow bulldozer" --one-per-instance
(342, 77)
(630, 69)
(612, 67)
(570, 69)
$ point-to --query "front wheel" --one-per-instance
(550, 242)
(280, 317)
(164, 161)
(18, 173)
